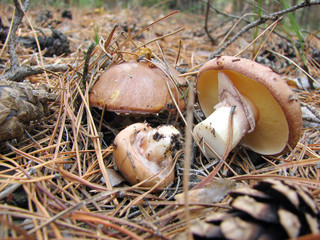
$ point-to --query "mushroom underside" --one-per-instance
(270, 135)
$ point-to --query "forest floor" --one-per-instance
(59, 168)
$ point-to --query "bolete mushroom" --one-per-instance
(137, 87)
(266, 117)
(142, 152)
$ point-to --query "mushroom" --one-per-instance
(142, 152)
(137, 87)
(264, 114)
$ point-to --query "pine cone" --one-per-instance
(271, 210)
(21, 106)
(55, 45)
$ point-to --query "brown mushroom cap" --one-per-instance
(136, 87)
(133, 166)
(280, 117)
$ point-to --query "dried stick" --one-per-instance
(264, 18)
(241, 17)
(213, 40)
(187, 160)
(17, 73)
(12, 40)
(22, 72)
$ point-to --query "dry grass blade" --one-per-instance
(288, 59)
(272, 26)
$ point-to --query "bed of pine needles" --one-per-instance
(60, 173)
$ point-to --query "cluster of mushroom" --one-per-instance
(141, 153)
(244, 102)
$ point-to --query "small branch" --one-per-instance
(213, 40)
(21, 73)
(241, 17)
(17, 73)
(264, 18)
(12, 40)
(220, 12)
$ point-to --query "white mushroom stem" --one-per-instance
(159, 143)
(214, 130)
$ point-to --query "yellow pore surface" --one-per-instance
(271, 133)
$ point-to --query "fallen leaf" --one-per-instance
(213, 192)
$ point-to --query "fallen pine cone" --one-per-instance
(55, 45)
(270, 210)
(21, 106)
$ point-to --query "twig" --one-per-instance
(12, 40)
(21, 73)
(243, 19)
(234, 25)
(187, 159)
(17, 73)
(222, 13)
(273, 25)
(261, 20)
(213, 40)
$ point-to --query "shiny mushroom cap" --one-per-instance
(142, 152)
(136, 87)
(273, 115)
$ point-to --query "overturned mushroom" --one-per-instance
(249, 102)
(137, 87)
(142, 152)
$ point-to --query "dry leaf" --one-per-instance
(213, 192)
